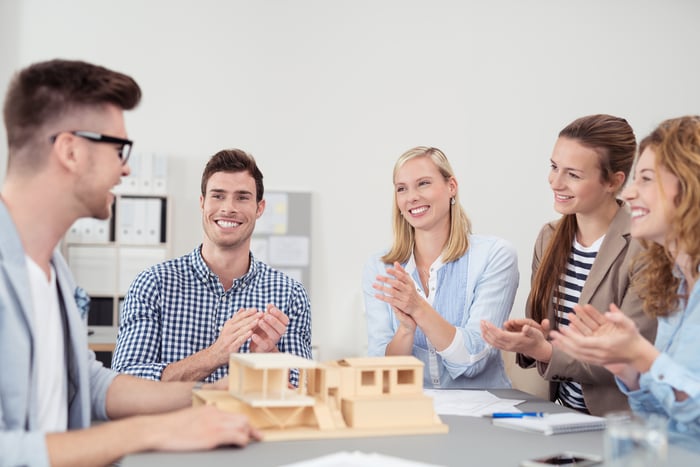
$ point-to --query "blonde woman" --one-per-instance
(426, 295)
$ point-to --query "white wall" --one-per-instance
(327, 94)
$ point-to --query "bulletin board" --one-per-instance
(282, 236)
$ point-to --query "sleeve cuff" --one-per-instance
(457, 352)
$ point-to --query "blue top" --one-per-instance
(678, 366)
(176, 308)
(479, 285)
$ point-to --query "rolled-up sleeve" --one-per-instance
(492, 285)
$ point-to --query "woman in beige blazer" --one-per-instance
(584, 257)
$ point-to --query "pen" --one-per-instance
(516, 414)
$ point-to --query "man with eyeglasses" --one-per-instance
(67, 149)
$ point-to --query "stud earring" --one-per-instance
(452, 201)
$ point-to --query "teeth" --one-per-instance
(227, 224)
(418, 210)
(638, 213)
(562, 197)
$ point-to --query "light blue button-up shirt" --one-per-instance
(479, 285)
(678, 366)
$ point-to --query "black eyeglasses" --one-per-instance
(124, 151)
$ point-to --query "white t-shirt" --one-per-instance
(49, 345)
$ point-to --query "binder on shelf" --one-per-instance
(553, 424)
(145, 161)
(88, 230)
(159, 174)
(153, 214)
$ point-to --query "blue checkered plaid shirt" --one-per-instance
(176, 308)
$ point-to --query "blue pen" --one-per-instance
(516, 414)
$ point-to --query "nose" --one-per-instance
(555, 180)
(629, 193)
(126, 170)
(228, 206)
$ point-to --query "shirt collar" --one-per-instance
(205, 274)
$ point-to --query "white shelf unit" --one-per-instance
(106, 256)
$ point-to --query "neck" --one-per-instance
(40, 215)
(428, 247)
(590, 227)
(227, 264)
(684, 263)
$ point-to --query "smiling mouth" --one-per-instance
(227, 224)
(562, 197)
(420, 210)
(637, 213)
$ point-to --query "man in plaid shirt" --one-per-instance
(182, 318)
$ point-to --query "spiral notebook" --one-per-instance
(554, 424)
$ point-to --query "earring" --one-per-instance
(452, 201)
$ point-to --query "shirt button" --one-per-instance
(432, 351)
(223, 297)
(661, 377)
(436, 381)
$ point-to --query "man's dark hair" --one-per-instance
(234, 160)
(43, 92)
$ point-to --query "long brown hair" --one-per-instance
(676, 143)
(613, 140)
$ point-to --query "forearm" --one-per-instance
(643, 355)
(402, 343)
(103, 444)
(439, 332)
(196, 367)
(128, 395)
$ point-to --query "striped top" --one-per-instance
(570, 286)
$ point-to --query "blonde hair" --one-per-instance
(676, 143)
(404, 234)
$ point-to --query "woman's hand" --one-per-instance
(399, 290)
(523, 337)
(605, 339)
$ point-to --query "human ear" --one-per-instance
(261, 209)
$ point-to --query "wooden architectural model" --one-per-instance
(345, 398)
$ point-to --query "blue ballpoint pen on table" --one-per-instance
(517, 414)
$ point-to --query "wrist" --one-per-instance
(644, 355)
(544, 352)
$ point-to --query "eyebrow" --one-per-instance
(419, 179)
(236, 192)
(570, 169)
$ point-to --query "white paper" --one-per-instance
(469, 402)
(358, 459)
(289, 251)
(274, 219)
(258, 246)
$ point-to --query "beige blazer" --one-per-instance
(608, 282)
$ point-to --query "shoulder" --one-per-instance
(270, 275)
(490, 245)
(547, 230)
(168, 269)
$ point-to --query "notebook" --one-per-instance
(554, 424)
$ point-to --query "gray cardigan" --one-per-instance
(21, 442)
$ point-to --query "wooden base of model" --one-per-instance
(347, 398)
